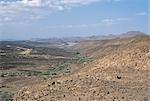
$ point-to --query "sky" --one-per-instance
(27, 19)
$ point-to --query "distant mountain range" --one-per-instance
(100, 37)
(64, 40)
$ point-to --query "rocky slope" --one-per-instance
(119, 72)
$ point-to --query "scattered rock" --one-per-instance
(53, 83)
(45, 93)
(64, 96)
(59, 82)
(108, 92)
(118, 77)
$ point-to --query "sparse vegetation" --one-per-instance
(58, 69)
(64, 68)
(82, 59)
(6, 96)
(19, 74)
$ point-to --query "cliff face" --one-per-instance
(119, 72)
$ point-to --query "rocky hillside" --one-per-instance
(119, 72)
(98, 48)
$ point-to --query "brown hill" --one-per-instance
(119, 72)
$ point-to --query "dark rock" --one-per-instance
(64, 96)
(53, 83)
(108, 92)
(118, 77)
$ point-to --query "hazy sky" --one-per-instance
(26, 19)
